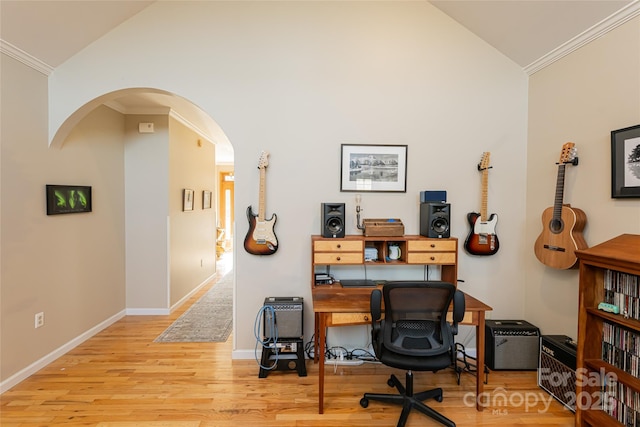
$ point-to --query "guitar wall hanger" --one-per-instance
(574, 162)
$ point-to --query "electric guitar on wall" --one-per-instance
(562, 225)
(261, 239)
(482, 238)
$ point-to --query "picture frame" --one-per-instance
(206, 199)
(67, 199)
(373, 168)
(187, 199)
(625, 162)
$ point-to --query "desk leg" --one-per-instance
(480, 361)
(321, 323)
(316, 333)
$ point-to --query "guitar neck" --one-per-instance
(557, 205)
(261, 200)
(483, 207)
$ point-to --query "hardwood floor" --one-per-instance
(121, 378)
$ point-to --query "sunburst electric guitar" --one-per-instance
(261, 238)
(482, 238)
(562, 225)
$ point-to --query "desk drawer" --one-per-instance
(338, 246)
(338, 258)
(431, 258)
(431, 245)
(338, 319)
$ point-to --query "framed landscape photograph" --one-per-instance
(66, 199)
(187, 200)
(374, 168)
(625, 162)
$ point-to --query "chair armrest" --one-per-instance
(376, 314)
(458, 310)
(376, 305)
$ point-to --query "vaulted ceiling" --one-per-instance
(532, 33)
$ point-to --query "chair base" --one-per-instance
(408, 400)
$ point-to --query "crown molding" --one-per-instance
(601, 28)
(177, 116)
(22, 56)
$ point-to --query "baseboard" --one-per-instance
(245, 355)
(167, 311)
(60, 351)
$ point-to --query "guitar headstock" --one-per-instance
(569, 154)
(484, 162)
(263, 162)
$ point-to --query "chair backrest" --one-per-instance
(415, 317)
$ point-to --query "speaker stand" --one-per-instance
(283, 359)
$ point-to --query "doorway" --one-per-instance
(224, 241)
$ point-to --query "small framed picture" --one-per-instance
(374, 168)
(206, 199)
(66, 199)
(187, 199)
(625, 162)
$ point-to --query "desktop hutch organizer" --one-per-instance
(608, 343)
(334, 305)
(415, 250)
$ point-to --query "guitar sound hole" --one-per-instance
(556, 226)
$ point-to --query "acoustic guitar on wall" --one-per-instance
(261, 238)
(482, 238)
(562, 225)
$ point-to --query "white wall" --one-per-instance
(71, 267)
(193, 233)
(299, 79)
(147, 208)
(581, 99)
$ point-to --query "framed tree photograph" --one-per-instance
(373, 168)
(625, 162)
(187, 200)
(206, 199)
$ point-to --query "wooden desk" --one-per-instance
(337, 306)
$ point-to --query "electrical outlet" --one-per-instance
(39, 320)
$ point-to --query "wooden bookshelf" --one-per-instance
(597, 368)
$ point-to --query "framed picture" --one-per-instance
(375, 168)
(206, 199)
(187, 200)
(625, 162)
(65, 199)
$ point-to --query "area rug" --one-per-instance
(208, 319)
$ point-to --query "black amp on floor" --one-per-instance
(511, 345)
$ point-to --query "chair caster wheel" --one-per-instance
(364, 402)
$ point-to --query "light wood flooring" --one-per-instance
(122, 378)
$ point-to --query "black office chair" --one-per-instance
(414, 335)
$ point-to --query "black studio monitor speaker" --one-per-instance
(332, 221)
(435, 220)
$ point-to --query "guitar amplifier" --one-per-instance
(557, 370)
(287, 316)
(511, 345)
